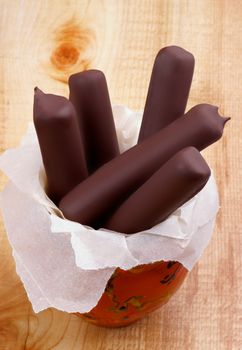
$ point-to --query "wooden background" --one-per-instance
(42, 43)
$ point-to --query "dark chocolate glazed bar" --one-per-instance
(168, 89)
(94, 199)
(60, 143)
(179, 179)
(89, 95)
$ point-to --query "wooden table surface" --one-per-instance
(42, 43)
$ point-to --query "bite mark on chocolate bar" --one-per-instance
(73, 41)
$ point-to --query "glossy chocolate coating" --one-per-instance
(60, 143)
(93, 200)
(89, 95)
(179, 179)
(168, 89)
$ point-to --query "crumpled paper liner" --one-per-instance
(66, 265)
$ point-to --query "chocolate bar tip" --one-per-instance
(191, 164)
(90, 74)
(225, 120)
(37, 90)
(176, 52)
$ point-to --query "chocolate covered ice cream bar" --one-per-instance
(168, 89)
(60, 143)
(179, 179)
(89, 95)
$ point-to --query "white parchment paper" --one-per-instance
(66, 265)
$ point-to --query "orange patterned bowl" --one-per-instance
(132, 294)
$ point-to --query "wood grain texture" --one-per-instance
(42, 42)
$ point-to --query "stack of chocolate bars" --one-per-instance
(95, 185)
